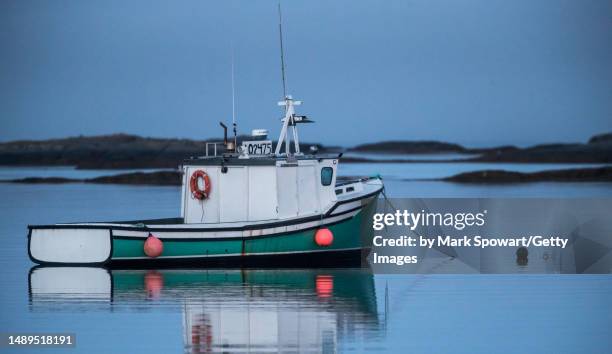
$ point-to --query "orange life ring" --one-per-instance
(196, 192)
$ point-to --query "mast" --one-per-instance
(290, 119)
(282, 51)
(234, 102)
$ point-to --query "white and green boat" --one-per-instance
(248, 205)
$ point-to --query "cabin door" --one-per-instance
(287, 191)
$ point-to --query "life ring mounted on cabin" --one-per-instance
(196, 191)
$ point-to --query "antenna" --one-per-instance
(282, 52)
(233, 91)
(234, 100)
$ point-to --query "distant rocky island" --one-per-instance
(160, 178)
(409, 147)
(117, 151)
(173, 178)
(123, 151)
(597, 150)
(601, 174)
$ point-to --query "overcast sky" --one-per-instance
(472, 72)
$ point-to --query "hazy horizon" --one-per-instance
(476, 73)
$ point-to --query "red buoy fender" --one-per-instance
(153, 247)
(154, 283)
(324, 237)
(196, 191)
(324, 284)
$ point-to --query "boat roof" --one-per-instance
(268, 160)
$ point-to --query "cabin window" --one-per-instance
(350, 189)
(338, 191)
(326, 175)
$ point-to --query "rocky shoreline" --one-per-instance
(174, 178)
(122, 151)
(118, 151)
(160, 178)
(597, 150)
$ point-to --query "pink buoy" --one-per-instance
(324, 285)
(154, 283)
(324, 237)
(153, 247)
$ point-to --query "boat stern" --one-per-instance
(62, 244)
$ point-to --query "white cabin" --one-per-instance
(254, 183)
(260, 189)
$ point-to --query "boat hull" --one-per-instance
(287, 243)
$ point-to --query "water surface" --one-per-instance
(309, 310)
(9, 172)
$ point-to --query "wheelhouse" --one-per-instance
(258, 189)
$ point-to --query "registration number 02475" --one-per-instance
(263, 147)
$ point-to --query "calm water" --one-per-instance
(59, 171)
(173, 311)
(422, 170)
(410, 157)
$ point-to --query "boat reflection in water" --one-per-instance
(228, 310)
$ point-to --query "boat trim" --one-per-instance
(242, 255)
(318, 259)
(242, 237)
(331, 210)
(268, 160)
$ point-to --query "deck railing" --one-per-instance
(214, 144)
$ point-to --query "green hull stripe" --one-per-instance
(348, 234)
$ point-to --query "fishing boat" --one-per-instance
(247, 204)
(250, 204)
